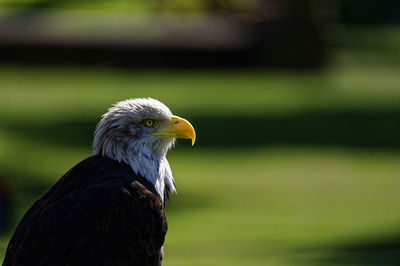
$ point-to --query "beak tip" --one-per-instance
(183, 129)
(193, 137)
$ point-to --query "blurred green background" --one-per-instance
(292, 166)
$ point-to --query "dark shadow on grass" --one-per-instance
(32, 188)
(346, 128)
(25, 190)
(372, 252)
(355, 129)
(72, 132)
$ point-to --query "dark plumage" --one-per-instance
(87, 217)
(108, 209)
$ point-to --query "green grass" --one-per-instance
(236, 205)
(260, 206)
(70, 91)
(263, 205)
(125, 5)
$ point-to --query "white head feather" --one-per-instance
(122, 136)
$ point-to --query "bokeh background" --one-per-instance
(296, 105)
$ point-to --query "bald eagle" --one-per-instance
(109, 208)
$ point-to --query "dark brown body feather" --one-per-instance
(98, 213)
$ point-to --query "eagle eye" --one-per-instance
(149, 123)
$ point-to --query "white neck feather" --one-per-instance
(155, 168)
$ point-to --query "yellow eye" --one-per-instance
(149, 122)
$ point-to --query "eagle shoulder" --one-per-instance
(98, 213)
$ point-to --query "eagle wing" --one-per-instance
(99, 213)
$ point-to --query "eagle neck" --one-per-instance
(155, 168)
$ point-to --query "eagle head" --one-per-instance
(139, 132)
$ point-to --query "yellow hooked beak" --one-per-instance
(179, 128)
